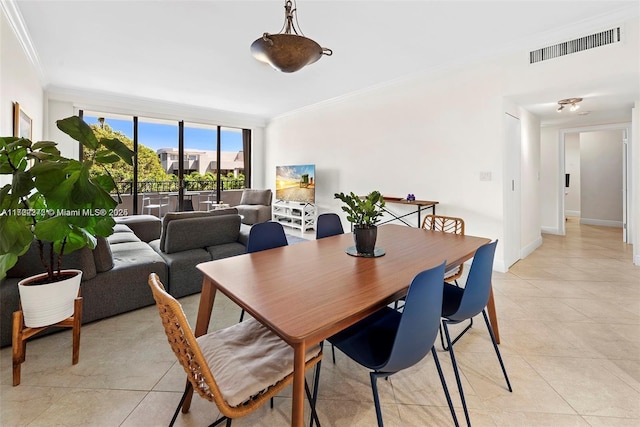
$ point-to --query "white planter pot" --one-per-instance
(50, 303)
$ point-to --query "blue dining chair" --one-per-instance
(461, 304)
(328, 224)
(389, 341)
(263, 236)
(266, 235)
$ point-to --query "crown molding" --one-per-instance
(117, 103)
(16, 22)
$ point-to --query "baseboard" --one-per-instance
(572, 213)
(549, 230)
(602, 222)
(528, 249)
(498, 265)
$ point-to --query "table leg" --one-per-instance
(207, 297)
(493, 318)
(297, 410)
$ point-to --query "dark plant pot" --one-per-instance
(365, 239)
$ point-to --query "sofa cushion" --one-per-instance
(256, 197)
(253, 214)
(247, 358)
(226, 250)
(121, 228)
(192, 233)
(102, 255)
(146, 227)
(124, 287)
(245, 230)
(123, 237)
(170, 216)
(30, 264)
(184, 277)
(135, 253)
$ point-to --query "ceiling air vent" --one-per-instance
(578, 45)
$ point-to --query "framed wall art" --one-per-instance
(22, 123)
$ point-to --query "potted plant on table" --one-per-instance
(58, 204)
(364, 213)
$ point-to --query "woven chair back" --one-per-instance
(446, 224)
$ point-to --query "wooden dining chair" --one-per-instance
(238, 382)
(390, 341)
(446, 224)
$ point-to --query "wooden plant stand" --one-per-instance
(21, 334)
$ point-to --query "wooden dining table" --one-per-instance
(307, 292)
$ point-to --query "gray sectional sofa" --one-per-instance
(115, 273)
(189, 238)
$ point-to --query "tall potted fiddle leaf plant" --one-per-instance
(58, 205)
(364, 213)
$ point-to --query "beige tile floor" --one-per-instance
(569, 320)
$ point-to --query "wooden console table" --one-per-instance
(419, 204)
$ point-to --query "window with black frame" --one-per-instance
(206, 159)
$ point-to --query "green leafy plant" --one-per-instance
(59, 202)
(362, 211)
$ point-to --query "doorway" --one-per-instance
(594, 165)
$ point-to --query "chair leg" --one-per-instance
(495, 347)
(444, 385)
(187, 390)
(333, 353)
(444, 347)
(456, 372)
(376, 400)
(312, 404)
(220, 420)
(316, 383)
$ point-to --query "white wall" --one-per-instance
(19, 82)
(530, 232)
(634, 189)
(414, 136)
(601, 177)
(549, 178)
(572, 167)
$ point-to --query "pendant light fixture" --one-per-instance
(289, 50)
